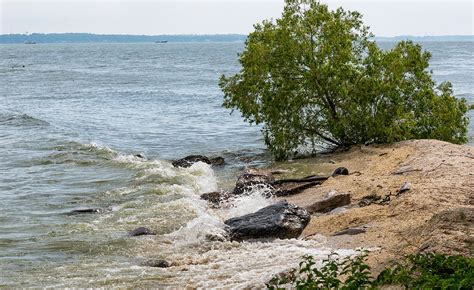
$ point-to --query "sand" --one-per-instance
(435, 215)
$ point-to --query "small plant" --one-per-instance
(430, 271)
(420, 271)
(328, 276)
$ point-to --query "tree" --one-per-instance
(316, 77)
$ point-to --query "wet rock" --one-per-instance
(340, 171)
(191, 159)
(85, 211)
(215, 197)
(405, 187)
(252, 179)
(217, 161)
(331, 201)
(157, 263)
(281, 220)
(352, 231)
(141, 231)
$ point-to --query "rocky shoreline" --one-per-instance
(409, 197)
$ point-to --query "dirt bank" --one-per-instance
(435, 214)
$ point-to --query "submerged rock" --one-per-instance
(156, 263)
(281, 220)
(85, 211)
(141, 231)
(191, 159)
(330, 202)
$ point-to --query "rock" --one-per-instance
(217, 161)
(215, 197)
(191, 159)
(253, 178)
(85, 211)
(281, 220)
(340, 171)
(330, 202)
(141, 231)
(369, 199)
(405, 169)
(157, 263)
(286, 189)
(352, 231)
(338, 210)
(140, 155)
(405, 187)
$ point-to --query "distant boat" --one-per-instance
(30, 42)
(161, 41)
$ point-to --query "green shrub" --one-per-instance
(315, 77)
(421, 271)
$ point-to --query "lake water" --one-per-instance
(72, 117)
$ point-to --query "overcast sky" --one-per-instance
(386, 17)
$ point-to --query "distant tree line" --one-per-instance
(117, 38)
(126, 38)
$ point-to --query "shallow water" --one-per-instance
(72, 117)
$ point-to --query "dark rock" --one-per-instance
(332, 201)
(281, 220)
(140, 155)
(352, 231)
(191, 159)
(215, 197)
(141, 231)
(85, 211)
(286, 189)
(253, 178)
(217, 161)
(157, 263)
(340, 171)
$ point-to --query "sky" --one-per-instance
(152, 17)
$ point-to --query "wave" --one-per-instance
(21, 120)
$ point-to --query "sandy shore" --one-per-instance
(436, 214)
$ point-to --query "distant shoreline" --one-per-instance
(126, 38)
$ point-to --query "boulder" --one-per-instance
(330, 202)
(141, 231)
(191, 159)
(281, 220)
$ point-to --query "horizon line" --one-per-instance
(220, 34)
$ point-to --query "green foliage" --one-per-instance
(421, 271)
(430, 271)
(314, 76)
